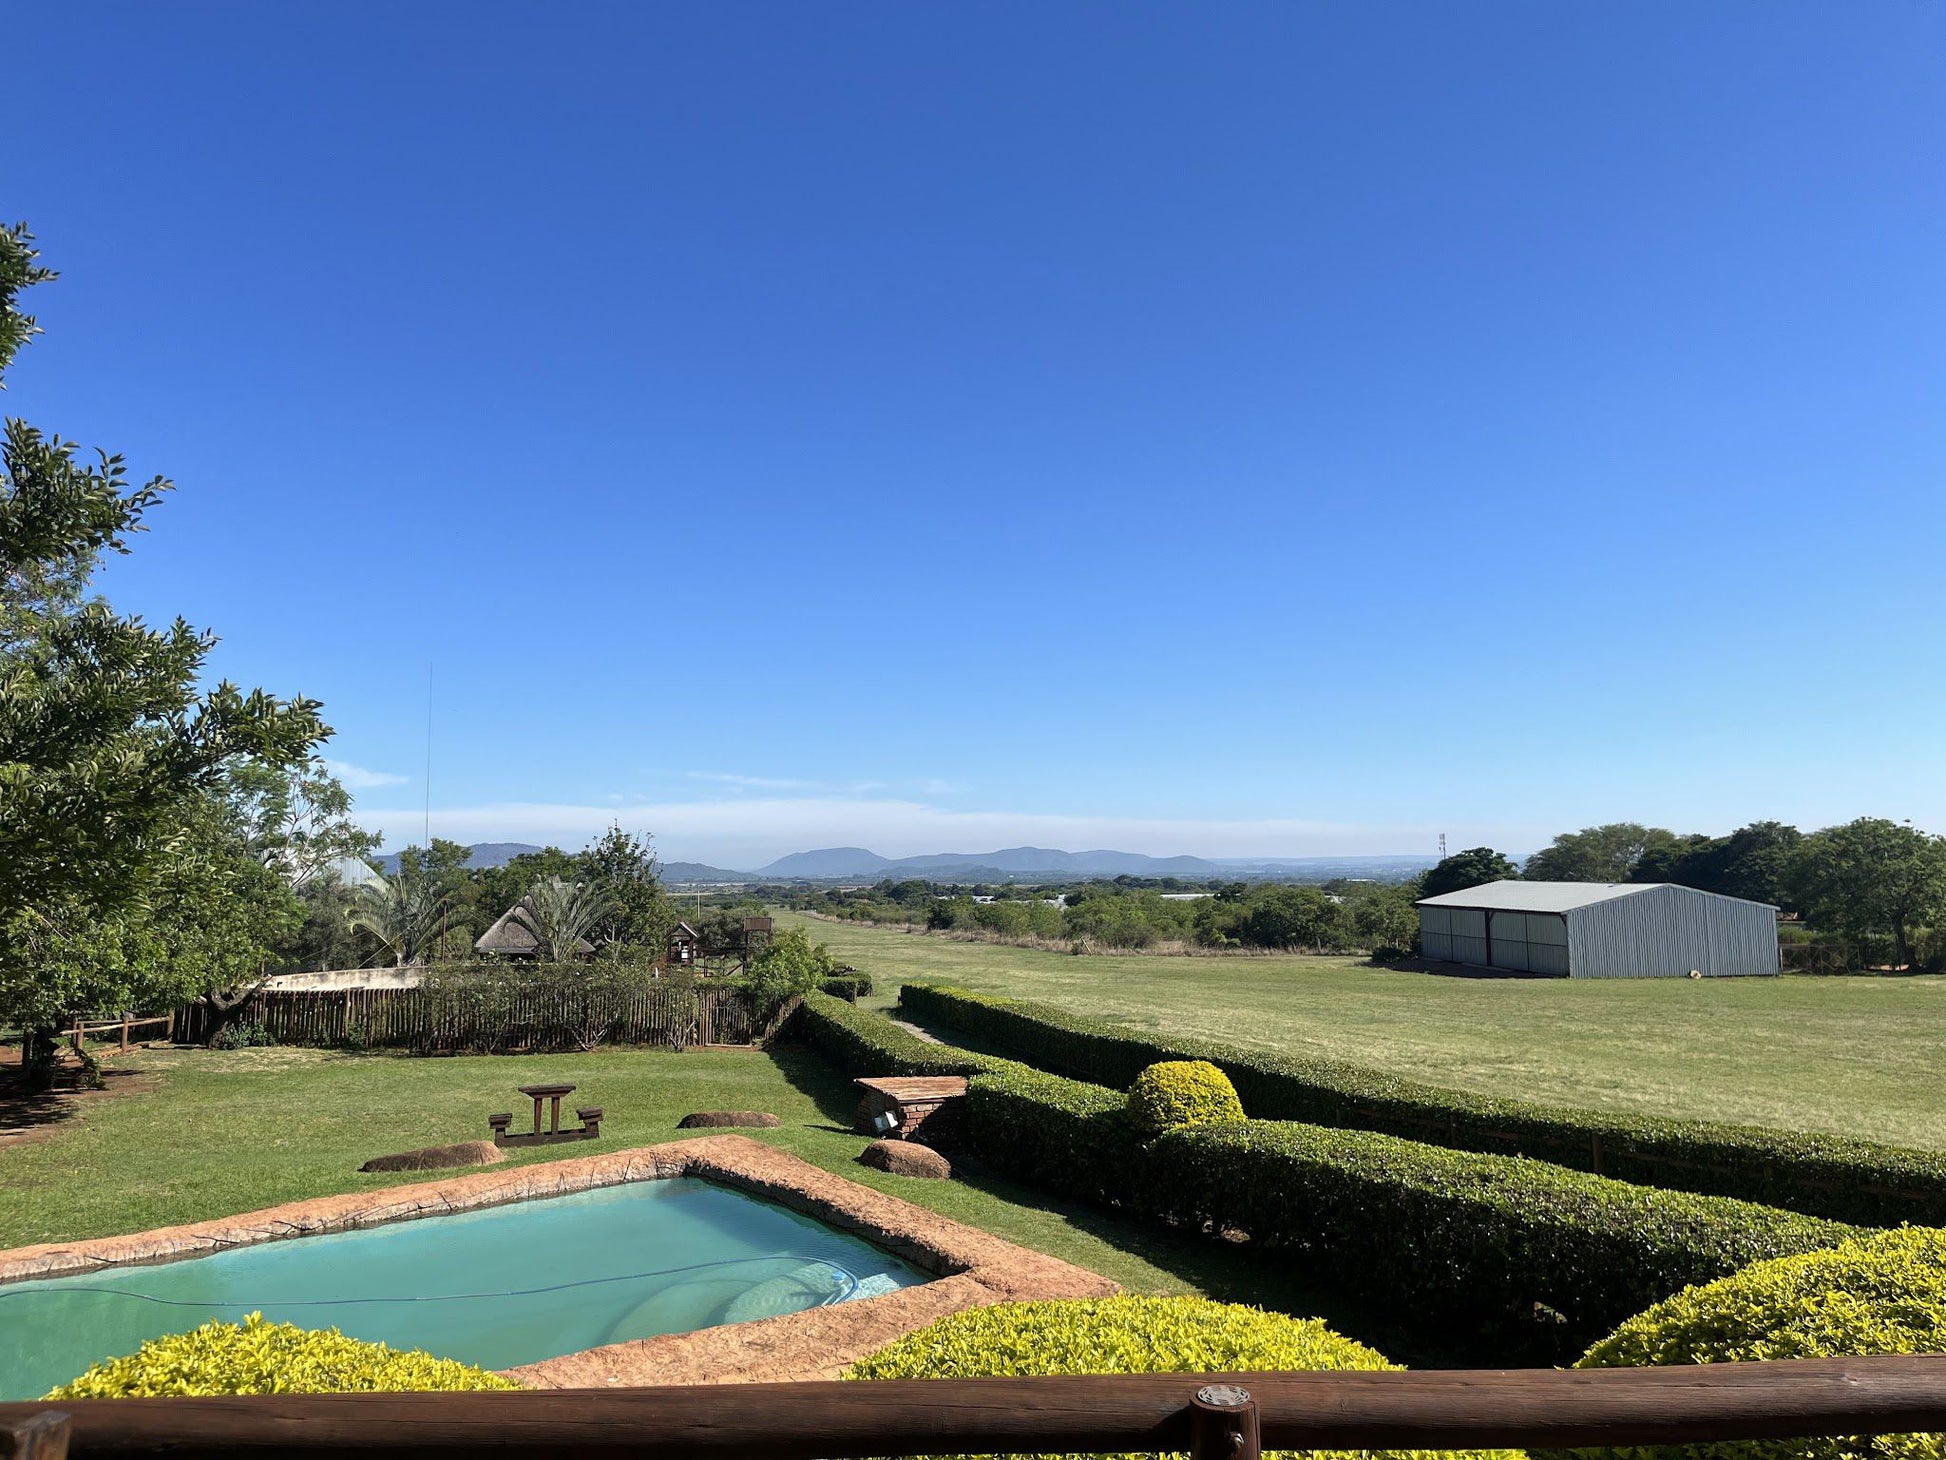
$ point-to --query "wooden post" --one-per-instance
(125, 1019)
(43, 1436)
(76, 1037)
(1223, 1424)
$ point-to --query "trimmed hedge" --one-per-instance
(1543, 1256)
(256, 1357)
(1181, 1092)
(1536, 1259)
(1882, 1294)
(860, 1042)
(1826, 1176)
(850, 985)
(1127, 1336)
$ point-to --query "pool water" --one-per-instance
(497, 1287)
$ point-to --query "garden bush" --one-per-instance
(1880, 1294)
(242, 1034)
(256, 1357)
(849, 984)
(1828, 1176)
(1121, 1336)
(1178, 1093)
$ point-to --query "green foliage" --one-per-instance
(1872, 876)
(107, 739)
(848, 983)
(403, 912)
(638, 915)
(862, 1043)
(256, 1357)
(495, 1008)
(560, 915)
(789, 964)
(1597, 853)
(1179, 1093)
(1542, 1256)
(243, 1034)
(1880, 1294)
(1471, 868)
(1830, 1176)
(1753, 862)
(1123, 1335)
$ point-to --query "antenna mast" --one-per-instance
(428, 758)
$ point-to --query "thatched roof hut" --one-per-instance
(510, 937)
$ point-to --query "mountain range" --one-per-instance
(847, 864)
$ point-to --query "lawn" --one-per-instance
(1856, 1056)
(222, 1133)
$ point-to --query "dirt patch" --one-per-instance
(35, 1115)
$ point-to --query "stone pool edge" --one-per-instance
(973, 1268)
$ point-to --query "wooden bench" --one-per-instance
(909, 1100)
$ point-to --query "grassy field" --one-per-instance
(1857, 1056)
(221, 1133)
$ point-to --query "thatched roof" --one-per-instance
(511, 938)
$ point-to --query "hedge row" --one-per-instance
(1535, 1259)
(1826, 1176)
(850, 986)
(860, 1042)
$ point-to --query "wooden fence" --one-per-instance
(1211, 1416)
(496, 1021)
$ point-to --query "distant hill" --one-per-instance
(856, 863)
(677, 872)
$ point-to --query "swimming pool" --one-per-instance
(498, 1286)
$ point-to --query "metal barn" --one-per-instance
(1599, 930)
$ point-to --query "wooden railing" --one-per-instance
(1422, 1410)
(124, 1025)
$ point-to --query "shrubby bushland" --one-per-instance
(255, 1357)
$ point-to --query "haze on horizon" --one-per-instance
(1277, 431)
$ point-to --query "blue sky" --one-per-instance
(1247, 429)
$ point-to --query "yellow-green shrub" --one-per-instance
(256, 1357)
(1880, 1294)
(1123, 1336)
(1181, 1092)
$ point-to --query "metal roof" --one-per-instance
(1544, 897)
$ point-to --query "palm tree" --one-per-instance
(561, 914)
(403, 912)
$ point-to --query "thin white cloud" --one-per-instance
(748, 831)
(748, 783)
(357, 778)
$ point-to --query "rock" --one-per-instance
(906, 1158)
(707, 1119)
(438, 1158)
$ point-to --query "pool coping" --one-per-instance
(972, 1268)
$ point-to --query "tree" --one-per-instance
(789, 964)
(561, 915)
(403, 912)
(105, 739)
(1871, 876)
(1471, 868)
(623, 865)
(1290, 917)
(1752, 862)
(1596, 853)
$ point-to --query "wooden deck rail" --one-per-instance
(1426, 1409)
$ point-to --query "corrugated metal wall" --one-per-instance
(1454, 934)
(1665, 932)
(1530, 942)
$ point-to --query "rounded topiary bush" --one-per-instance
(256, 1357)
(1121, 1336)
(1881, 1294)
(1181, 1092)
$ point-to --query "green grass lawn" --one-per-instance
(224, 1133)
(1857, 1056)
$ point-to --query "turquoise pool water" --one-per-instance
(502, 1286)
